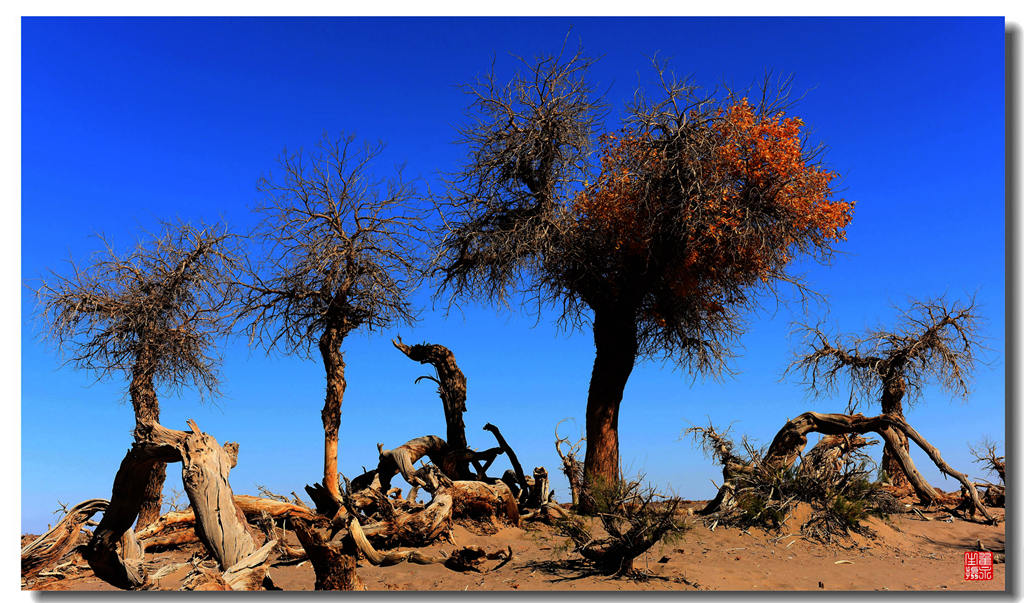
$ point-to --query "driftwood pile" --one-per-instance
(245, 535)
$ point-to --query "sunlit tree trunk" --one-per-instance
(334, 364)
(615, 340)
(147, 410)
(892, 404)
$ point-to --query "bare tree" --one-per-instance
(152, 314)
(932, 341)
(696, 208)
(341, 255)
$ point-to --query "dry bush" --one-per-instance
(634, 517)
(841, 494)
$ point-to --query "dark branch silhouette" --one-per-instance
(341, 255)
(933, 341)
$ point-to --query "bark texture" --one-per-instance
(893, 391)
(451, 386)
(115, 555)
(147, 410)
(334, 365)
(46, 550)
(334, 563)
(615, 340)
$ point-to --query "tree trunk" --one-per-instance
(892, 404)
(147, 410)
(116, 557)
(334, 365)
(58, 540)
(615, 340)
(451, 387)
(334, 563)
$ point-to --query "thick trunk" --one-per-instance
(334, 365)
(451, 386)
(615, 339)
(113, 552)
(892, 404)
(334, 563)
(147, 410)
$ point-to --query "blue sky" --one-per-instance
(129, 121)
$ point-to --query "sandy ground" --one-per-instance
(906, 553)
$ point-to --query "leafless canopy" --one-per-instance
(341, 248)
(986, 453)
(933, 341)
(155, 310)
(528, 143)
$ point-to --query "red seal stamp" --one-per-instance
(978, 565)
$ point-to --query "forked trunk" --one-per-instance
(615, 340)
(147, 411)
(892, 404)
(334, 365)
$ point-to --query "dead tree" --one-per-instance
(113, 552)
(635, 519)
(790, 441)
(571, 465)
(178, 527)
(933, 341)
(50, 547)
(152, 314)
(340, 256)
(451, 387)
(986, 454)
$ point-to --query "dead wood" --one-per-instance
(540, 490)
(50, 547)
(464, 559)
(115, 555)
(790, 441)
(403, 458)
(520, 476)
(376, 557)
(550, 513)
(170, 540)
(175, 527)
(488, 503)
(334, 563)
(987, 455)
(637, 517)
(571, 466)
(419, 528)
(451, 387)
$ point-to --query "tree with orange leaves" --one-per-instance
(699, 204)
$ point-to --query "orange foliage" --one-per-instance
(753, 172)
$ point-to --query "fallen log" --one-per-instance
(334, 563)
(420, 528)
(113, 552)
(50, 547)
(480, 501)
(790, 441)
(253, 507)
(464, 559)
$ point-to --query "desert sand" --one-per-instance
(906, 553)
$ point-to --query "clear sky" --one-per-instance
(129, 121)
